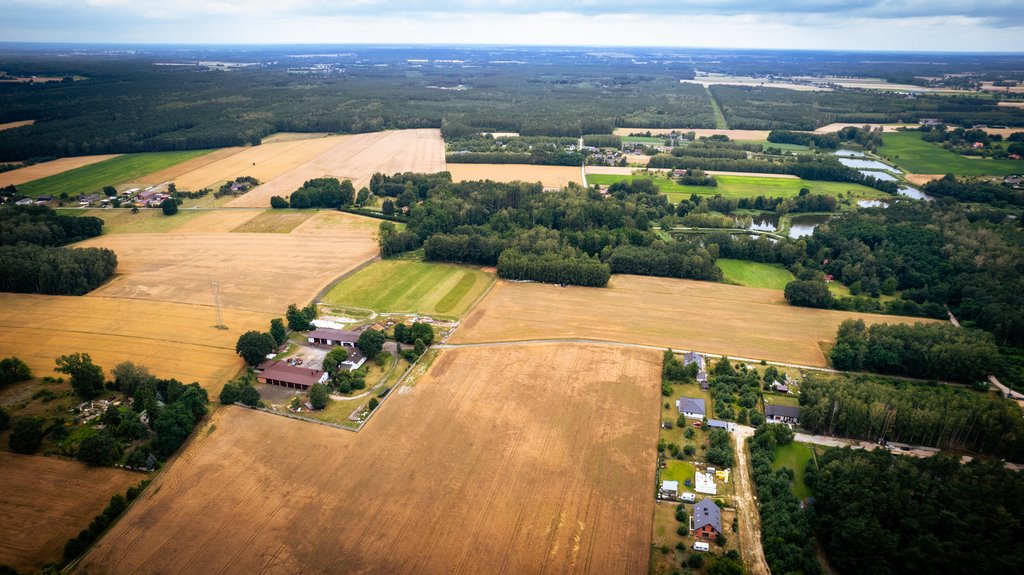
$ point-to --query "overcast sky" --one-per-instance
(943, 25)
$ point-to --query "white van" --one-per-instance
(701, 546)
(688, 497)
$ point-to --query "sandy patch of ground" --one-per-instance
(34, 172)
(709, 317)
(836, 126)
(12, 125)
(1006, 104)
(44, 501)
(717, 79)
(512, 460)
(172, 339)
(551, 177)
(921, 179)
(356, 158)
(991, 87)
(292, 136)
(501, 134)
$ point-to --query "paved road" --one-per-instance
(746, 506)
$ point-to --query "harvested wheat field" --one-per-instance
(12, 125)
(292, 136)
(512, 460)
(921, 179)
(44, 501)
(215, 221)
(700, 132)
(1006, 104)
(172, 173)
(715, 318)
(551, 177)
(37, 171)
(356, 158)
(256, 271)
(172, 339)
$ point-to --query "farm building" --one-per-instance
(780, 387)
(292, 377)
(692, 407)
(669, 489)
(702, 374)
(782, 414)
(719, 424)
(706, 521)
(705, 483)
(327, 336)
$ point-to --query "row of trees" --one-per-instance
(938, 416)
(324, 192)
(981, 191)
(936, 351)
(42, 226)
(676, 259)
(564, 267)
(57, 271)
(540, 157)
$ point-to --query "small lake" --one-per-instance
(867, 165)
(914, 193)
(886, 176)
(764, 223)
(848, 154)
(804, 225)
(872, 204)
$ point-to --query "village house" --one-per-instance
(292, 377)
(702, 374)
(669, 489)
(782, 414)
(706, 521)
(692, 407)
(332, 337)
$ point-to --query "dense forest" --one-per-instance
(33, 260)
(942, 416)
(879, 513)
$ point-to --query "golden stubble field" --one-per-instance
(44, 501)
(715, 318)
(537, 459)
(354, 158)
(36, 171)
(551, 177)
(255, 271)
(172, 339)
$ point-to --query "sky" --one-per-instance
(897, 25)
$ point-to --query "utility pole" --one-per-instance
(215, 287)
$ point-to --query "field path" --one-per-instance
(746, 506)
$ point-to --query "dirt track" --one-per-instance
(537, 460)
(746, 504)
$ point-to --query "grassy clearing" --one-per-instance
(794, 456)
(780, 399)
(275, 222)
(908, 151)
(92, 178)
(149, 221)
(720, 122)
(651, 140)
(443, 290)
(754, 274)
(680, 471)
(745, 187)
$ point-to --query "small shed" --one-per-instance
(669, 489)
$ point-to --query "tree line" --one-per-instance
(976, 190)
(42, 226)
(940, 416)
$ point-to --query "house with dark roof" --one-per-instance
(692, 407)
(782, 414)
(332, 337)
(706, 521)
(290, 376)
(719, 424)
(702, 374)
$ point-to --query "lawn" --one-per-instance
(275, 222)
(754, 274)
(680, 471)
(110, 172)
(149, 221)
(908, 151)
(794, 456)
(405, 286)
(745, 187)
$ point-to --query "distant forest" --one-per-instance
(131, 104)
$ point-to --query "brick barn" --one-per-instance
(291, 376)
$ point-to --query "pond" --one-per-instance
(849, 154)
(764, 223)
(800, 226)
(914, 193)
(880, 175)
(867, 165)
(872, 204)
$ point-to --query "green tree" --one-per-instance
(388, 207)
(131, 378)
(254, 346)
(277, 331)
(422, 330)
(809, 293)
(5, 419)
(370, 342)
(172, 427)
(110, 191)
(86, 378)
(26, 435)
(13, 370)
(278, 203)
(100, 448)
(334, 358)
(318, 396)
(373, 403)
(169, 206)
(419, 347)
